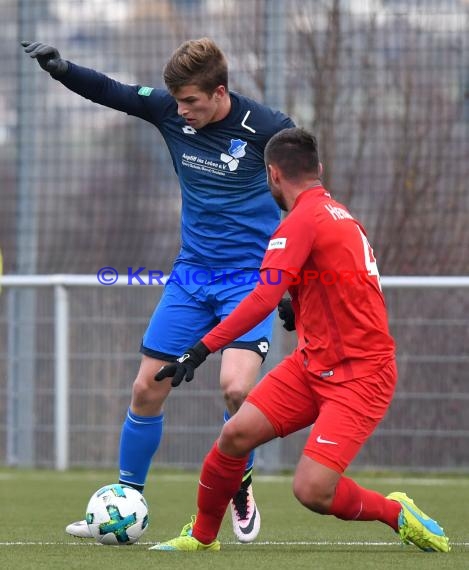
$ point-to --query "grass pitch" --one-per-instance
(36, 505)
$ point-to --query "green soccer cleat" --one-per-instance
(186, 544)
(187, 528)
(418, 528)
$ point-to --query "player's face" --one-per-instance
(274, 185)
(197, 107)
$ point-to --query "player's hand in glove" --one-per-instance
(286, 314)
(47, 56)
(185, 365)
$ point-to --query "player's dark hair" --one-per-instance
(196, 62)
(295, 152)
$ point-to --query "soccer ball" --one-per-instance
(117, 515)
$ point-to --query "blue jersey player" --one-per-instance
(216, 139)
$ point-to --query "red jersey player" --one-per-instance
(341, 377)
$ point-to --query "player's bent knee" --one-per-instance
(235, 396)
(145, 392)
(238, 376)
(312, 496)
(234, 440)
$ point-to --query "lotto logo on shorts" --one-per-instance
(263, 347)
(277, 243)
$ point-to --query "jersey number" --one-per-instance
(370, 260)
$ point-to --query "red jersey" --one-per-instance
(321, 253)
(340, 312)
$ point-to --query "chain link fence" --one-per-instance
(427, 426)
(385, 86)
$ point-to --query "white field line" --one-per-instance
(229, 543)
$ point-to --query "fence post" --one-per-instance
(275, 95)
(61, 374)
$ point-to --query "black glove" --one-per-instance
(48, 57)
(285, 312)
(185, 365)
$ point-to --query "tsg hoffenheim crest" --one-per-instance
(235, 152)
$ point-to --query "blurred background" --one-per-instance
(384, 84)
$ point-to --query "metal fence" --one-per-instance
(71, 414)
(384, 84)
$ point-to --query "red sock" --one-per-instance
(354, 503)
(220, 479)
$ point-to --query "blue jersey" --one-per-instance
(228, 213)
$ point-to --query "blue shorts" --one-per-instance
(194, 300)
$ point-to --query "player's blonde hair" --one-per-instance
(196, 62)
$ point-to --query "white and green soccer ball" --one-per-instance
(117, 515)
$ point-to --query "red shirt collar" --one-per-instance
(314, 191)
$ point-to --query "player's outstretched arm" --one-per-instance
(89, 83)
(252, 310)
(48, 57)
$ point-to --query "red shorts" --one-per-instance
(344, 414)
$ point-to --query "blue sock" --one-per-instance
(140, 439)
(250, 463)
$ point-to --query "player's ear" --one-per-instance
(273, 173)
(320, 170)
(219, 92)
